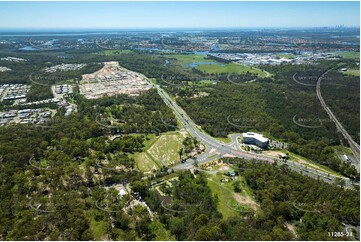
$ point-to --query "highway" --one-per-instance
(354, 146)
(213, 146)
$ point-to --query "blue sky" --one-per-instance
(63, 15)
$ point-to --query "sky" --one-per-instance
(122, 15)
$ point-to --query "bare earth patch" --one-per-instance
(292, 229)
(111, 80)
(224, 167)
(273, 153)
(245, 200)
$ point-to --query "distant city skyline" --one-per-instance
(176, 15)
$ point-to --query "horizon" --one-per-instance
(176, 15)
(148, 29)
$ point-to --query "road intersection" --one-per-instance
(217, 149)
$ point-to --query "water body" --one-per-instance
(200, 52)
(154, 49)
(28, 48)
(215, 47)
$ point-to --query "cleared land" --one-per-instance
(114, 52)
(214, 68)
(230, 202)
(160, 150)
(230, 68)
(143, 160)
(3, 69)
(145, 163)
(188, 59)
(352, 72)
(112, 80)
(349, 54)
(166, 148)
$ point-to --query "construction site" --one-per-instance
(111, 80)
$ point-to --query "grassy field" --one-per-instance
(166, 148)
(230, 68)
(200, 83)
(228, 199)
(224, 139)
(188, 59)
(349, 55)
(159, 150)
(287, 56)
(352, 72)
(143, 160)
(115, 52)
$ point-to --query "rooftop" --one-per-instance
(255, 135)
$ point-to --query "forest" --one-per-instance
(57, 181)
(273, 108)
(277, 189)
(56, 175)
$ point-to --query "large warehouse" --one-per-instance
(255, 139)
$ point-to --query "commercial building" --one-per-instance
(255, 139)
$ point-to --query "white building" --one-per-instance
(255, 139)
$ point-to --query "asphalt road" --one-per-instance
(354, 146)
(214, 146)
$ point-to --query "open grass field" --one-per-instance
(349, 55)
(229, 201)
(115, 52)
(224, 139)
(145, 162)
(159, 150)
(165, 149)
(199, 83)
(230, 68)
(352, 72)
(287, 56)
(188, 59)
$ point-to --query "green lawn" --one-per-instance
(349, 54)
(224, 139)
(352, 72)
(230, 68)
